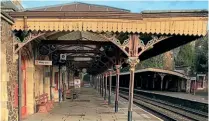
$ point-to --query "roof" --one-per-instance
(78, 6)
(174, 11)
(7, 17)
(158, 71)
(97, 18)
(8, 5)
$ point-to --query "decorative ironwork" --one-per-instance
(24, 37)
(132, 62)
(152, 42)
(134, 46)
(116, 42)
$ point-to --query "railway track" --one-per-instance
(167, 110)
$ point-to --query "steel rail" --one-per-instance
(167, 110)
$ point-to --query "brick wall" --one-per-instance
(8, 73)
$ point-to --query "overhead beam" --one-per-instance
(66, 42)
(77, 51)
(83, 56)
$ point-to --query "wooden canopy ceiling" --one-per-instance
(93, 50)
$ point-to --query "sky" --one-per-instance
(134, 6)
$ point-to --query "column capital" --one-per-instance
(162, 75)
(117, 69)
(117, 66)
(110, 72)
(105, 74)
(132, 61)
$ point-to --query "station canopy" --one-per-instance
(95, 36)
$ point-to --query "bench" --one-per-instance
(43, 104)
(68, 92)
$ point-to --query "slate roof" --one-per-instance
(3, 14)
(78, 6)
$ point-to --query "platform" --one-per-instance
(180, 95)
(90, 106)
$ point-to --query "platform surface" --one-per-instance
(90, 106)
(180, 95)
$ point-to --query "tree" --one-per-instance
(186, 56)
(154, 62)
(201, 55)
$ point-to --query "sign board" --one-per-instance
(193, 78)
(201, 74)
(42, 62)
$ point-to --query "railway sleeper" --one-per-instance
(162, 110)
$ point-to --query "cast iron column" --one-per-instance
(51, 74)
(19, 86)
(110, 86)
(63, 86)
(102, 84)
(59, 86)
(98, 83)
(68, 79)
(95, 84)
(117, 87)
(44, 78)
(105, 94)
(132, 62)
(161, 83)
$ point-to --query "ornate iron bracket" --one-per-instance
(133, 46)
(116, 42)
(18, 43)
(151, 43)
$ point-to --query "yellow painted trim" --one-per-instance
(173, 25)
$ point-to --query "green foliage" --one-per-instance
(124, 69)
(201, 55)
(194, 57)
(185, 56)
(154, 62)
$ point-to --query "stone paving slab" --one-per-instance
(90, 106)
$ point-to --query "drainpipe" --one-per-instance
(19, 85)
